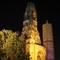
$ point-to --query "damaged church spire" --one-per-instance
(33, 45)
(30, 12)
(30, 23)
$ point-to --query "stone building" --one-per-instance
(48, 41)
(33, 42)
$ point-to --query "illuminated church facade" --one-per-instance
(36, 50)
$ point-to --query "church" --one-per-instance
(34, 47)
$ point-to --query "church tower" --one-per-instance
(33, 42)
(48, 40)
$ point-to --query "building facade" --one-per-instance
(32, 38)
(48, 41)
(33, 45)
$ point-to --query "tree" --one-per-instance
(11, 45)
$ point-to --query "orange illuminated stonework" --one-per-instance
(33, 42)
(33, 45)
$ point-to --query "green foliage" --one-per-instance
(27, 56)
(11, 45)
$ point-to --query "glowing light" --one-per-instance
(50, 56)
(49, 48)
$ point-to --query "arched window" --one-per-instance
(38, 56)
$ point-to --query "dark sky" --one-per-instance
(11, 17)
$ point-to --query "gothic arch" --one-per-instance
(39, 55)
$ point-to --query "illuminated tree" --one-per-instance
(11, 45)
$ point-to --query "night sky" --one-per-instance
(12, 17)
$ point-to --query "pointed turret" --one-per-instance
(30, 12)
